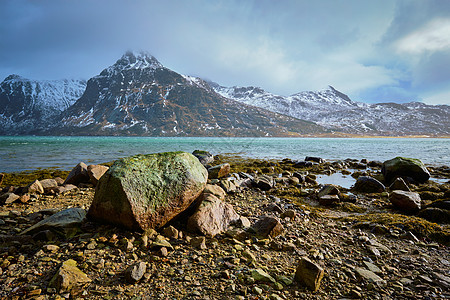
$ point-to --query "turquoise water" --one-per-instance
(29, 153)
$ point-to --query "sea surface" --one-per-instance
(21, 153)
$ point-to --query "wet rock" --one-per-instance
(35, 188)
(314, 159)
(8, 198)
(408, 167)
(367, 184)
(79, 174)
(69, 278)
(1, 178)
(95, 172)
(400, 185)
(436, 215)
(268, 226)
(213, 216)
(146, 191)
(405, 201)
(329, 200)
(219, 171)
(264, 182)
(444, 204)
(204, 157)
(309, 274)
(303, 164)
(328, 189)
(64, 222)
(135, 272)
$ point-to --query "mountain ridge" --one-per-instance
(137, 95)
(336, 111)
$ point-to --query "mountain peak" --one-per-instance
(14, 77)
(133, 60)
(138, 60)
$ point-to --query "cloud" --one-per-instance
(434, 36)
(360, 47)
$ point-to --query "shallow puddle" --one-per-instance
(345, 181)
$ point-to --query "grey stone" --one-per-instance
(63, 222)
(135, 272)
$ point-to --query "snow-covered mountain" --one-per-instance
(27, 105)
(139, 96)
(336, 111)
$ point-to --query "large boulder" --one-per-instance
(146, 191)
(405, 167)
(212, 217)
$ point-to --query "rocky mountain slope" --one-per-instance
(26, 105)
(139, 96)
(335, 110)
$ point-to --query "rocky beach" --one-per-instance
(197, 226)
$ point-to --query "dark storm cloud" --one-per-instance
(367, 49)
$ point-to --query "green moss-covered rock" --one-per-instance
(405, 167)
(146, 191)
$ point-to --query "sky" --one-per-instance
(373, 51)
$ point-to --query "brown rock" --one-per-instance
(79, 174)
(69, 278)
(219, 171)
(308, 274)
(8, 198)
(268, 226)
(35, 188)
(213, 216)
(95, 172)
(405, 201)
(48, 184)
(198, 242)
(170, 232)
(24, 198)
(215, 190)
(1, 178)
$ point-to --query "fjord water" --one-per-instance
(19, 153)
